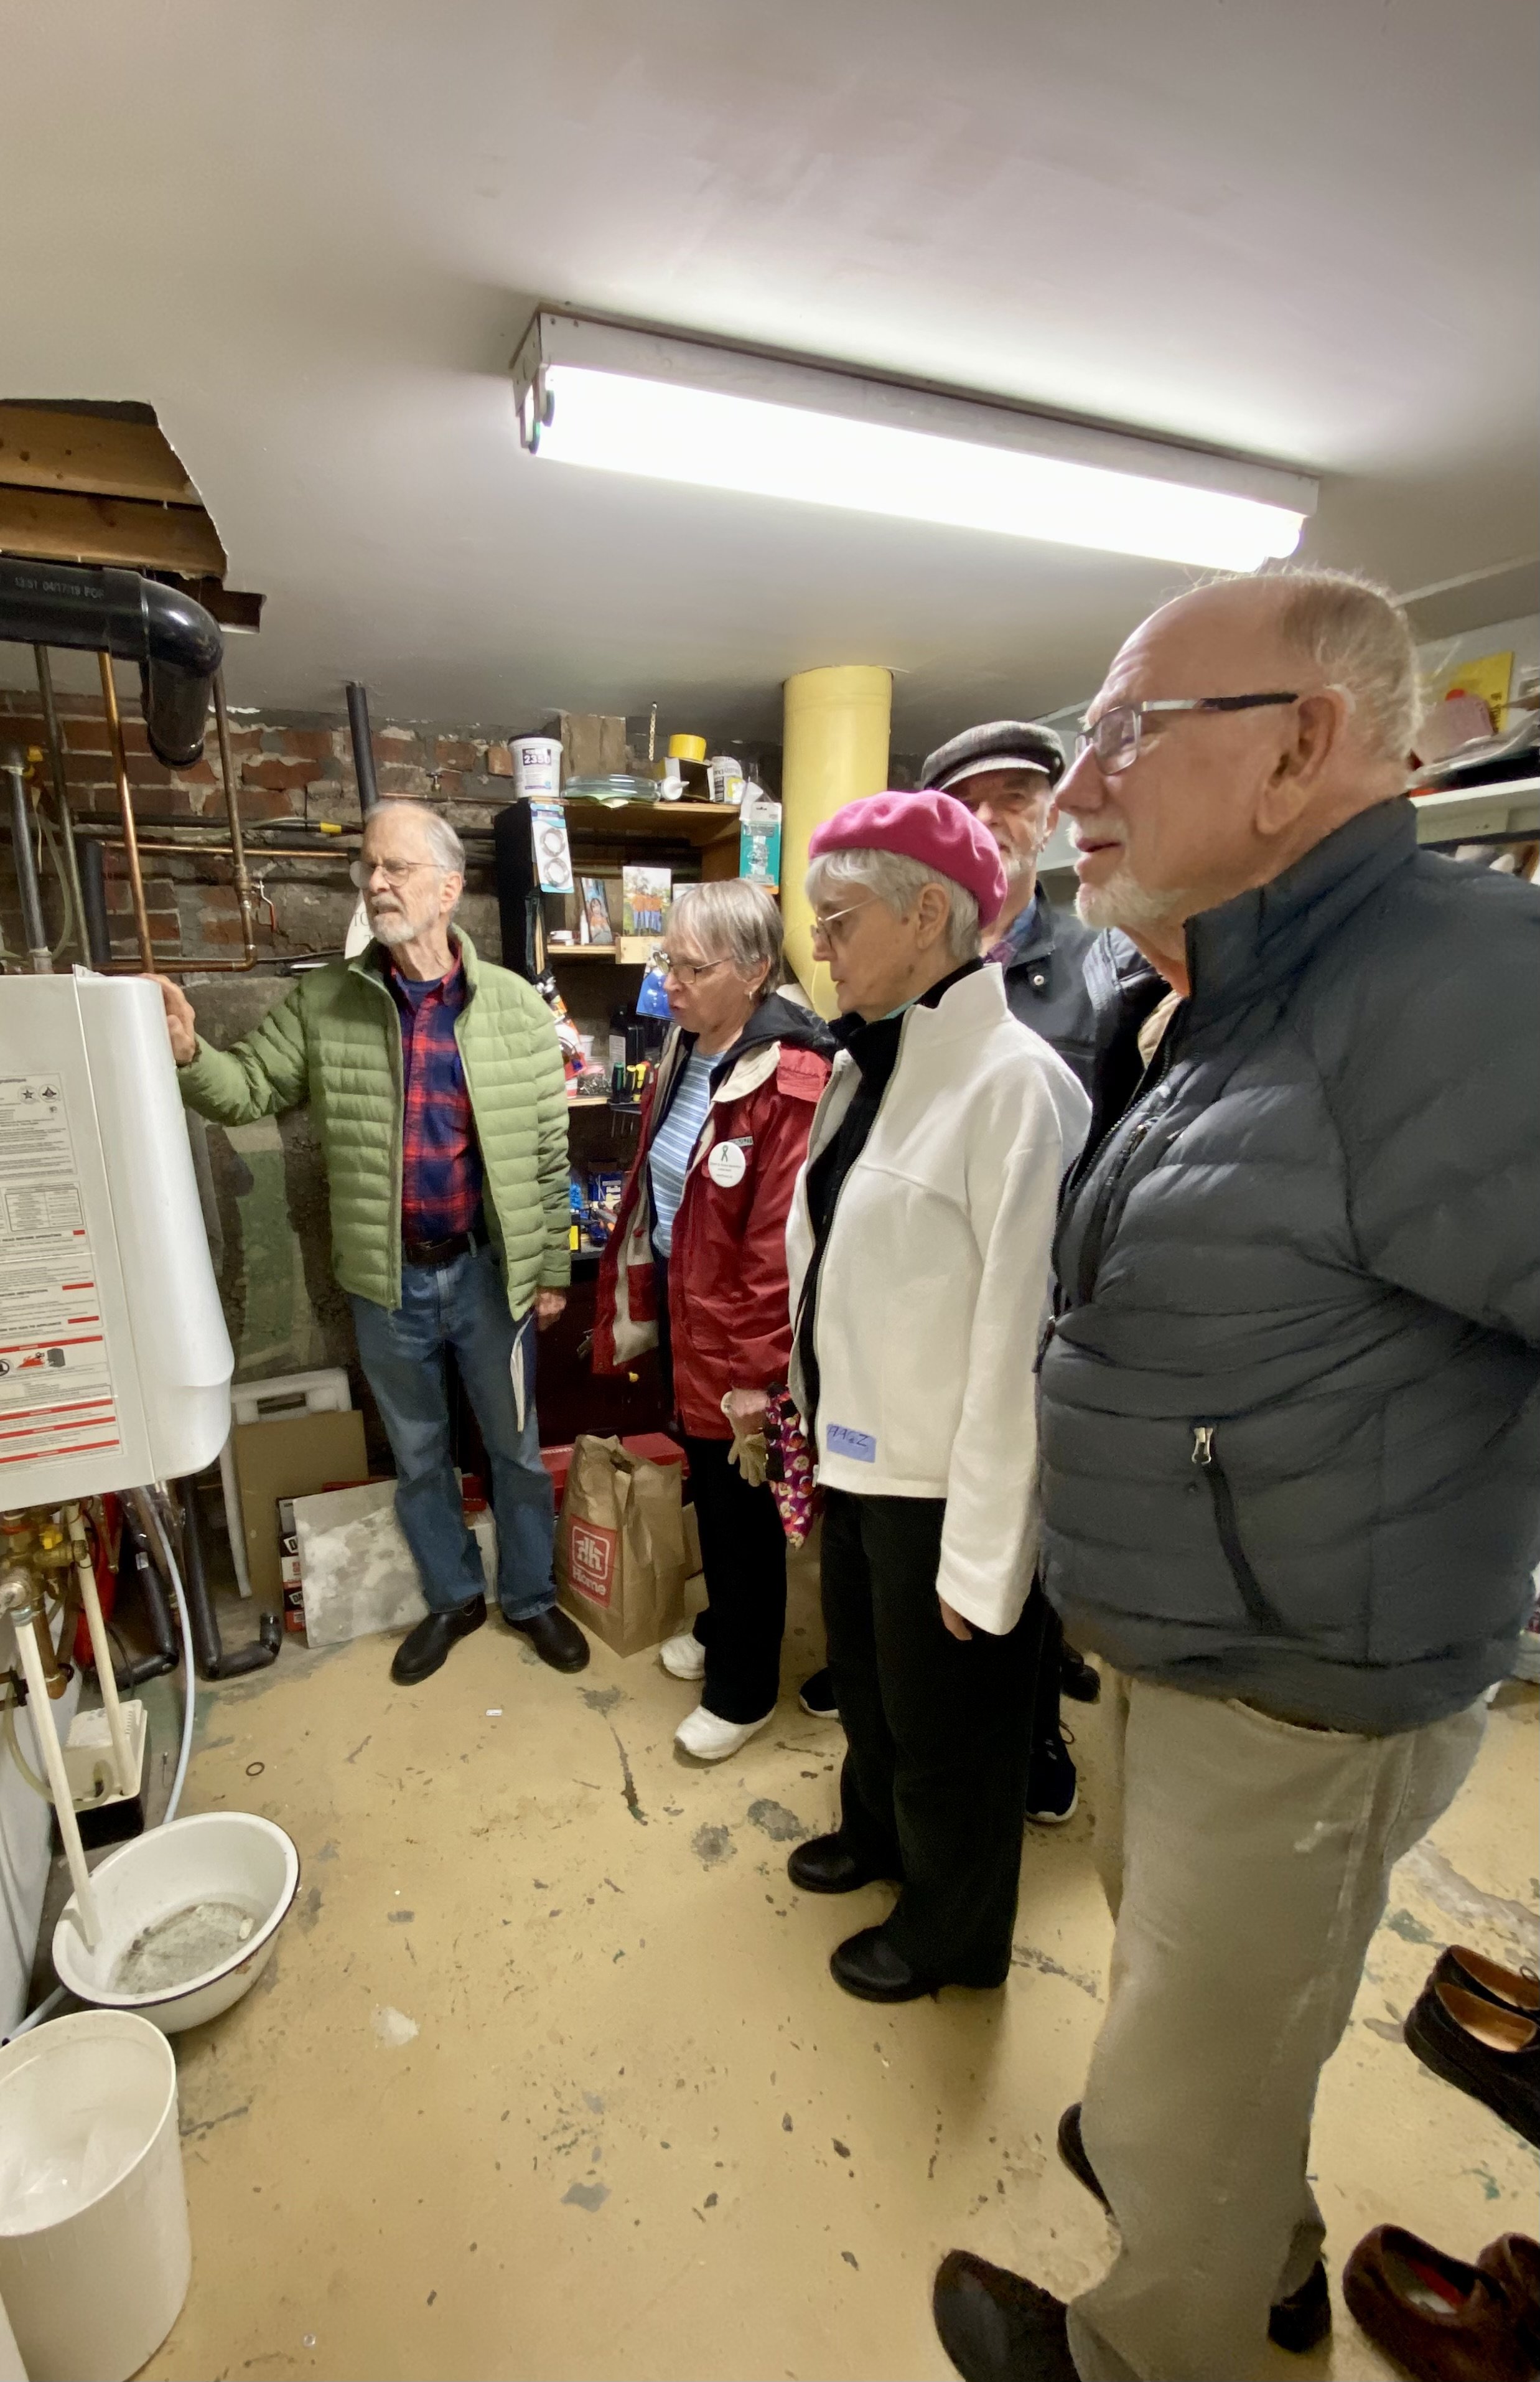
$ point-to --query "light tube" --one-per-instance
(712, 438)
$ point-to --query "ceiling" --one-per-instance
(310, 234)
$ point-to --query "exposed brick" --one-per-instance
(398, 745)
(407, 784)
(449, 784)
(85, 735)
(26, 728)
(309, 744)
(454, 753)
(275, 774)
(87, 769)
(213, 930)
(243, 741)
(499, 761)
(267, 802)
(143, 771)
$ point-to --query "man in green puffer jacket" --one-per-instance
(437, 1085)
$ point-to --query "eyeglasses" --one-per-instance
(824, 928)
(686, 972)
(1116, 736)
(395, 872)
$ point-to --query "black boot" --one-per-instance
(425, 1649)
(556, 1639)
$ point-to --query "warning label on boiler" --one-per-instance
(56, 1386)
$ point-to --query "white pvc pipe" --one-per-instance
(105, 1678)
(189, 1677)
(48, 1739)
(233, 1521)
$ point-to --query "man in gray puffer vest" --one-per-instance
(1290, 1427)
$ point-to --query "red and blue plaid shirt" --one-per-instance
(441, 1164)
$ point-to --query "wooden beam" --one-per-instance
(53, 528)
(233, 608)
(88, 454)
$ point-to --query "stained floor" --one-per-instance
(548, 2078)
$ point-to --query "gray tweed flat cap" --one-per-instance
(999, 744)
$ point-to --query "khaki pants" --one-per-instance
(1246, 1863)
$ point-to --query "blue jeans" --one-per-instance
(461, 1306)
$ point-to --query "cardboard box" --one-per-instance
(592, 744)
(289, 1460)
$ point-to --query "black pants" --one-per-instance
(934, 1782)
(743, 1556)
(1047, 1632)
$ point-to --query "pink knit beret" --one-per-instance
(931, 828)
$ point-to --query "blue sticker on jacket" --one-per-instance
(857, 1444)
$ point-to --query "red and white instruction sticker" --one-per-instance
(55, 1383)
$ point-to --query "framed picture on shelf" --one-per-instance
(597, 925)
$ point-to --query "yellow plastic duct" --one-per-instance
(836, 750)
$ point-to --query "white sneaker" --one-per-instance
(683, 1657)
(710, 1739)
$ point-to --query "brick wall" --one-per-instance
(290, 766)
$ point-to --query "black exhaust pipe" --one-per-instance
(177, 644)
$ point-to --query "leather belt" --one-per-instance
(445, 1252)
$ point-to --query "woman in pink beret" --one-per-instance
(919, 1246)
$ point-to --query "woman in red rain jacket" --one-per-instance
(696, 1268)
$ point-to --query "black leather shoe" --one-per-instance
(822, 1866)
(425, 1649)
(867, 1966)
(1076, 1676)
(1298, 2324)
(996, 2327)
(555, 1638)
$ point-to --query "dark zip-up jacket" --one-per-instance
(1046, 982)
(1290, 1403)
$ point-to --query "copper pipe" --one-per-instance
(61, 791)
(221, 851)
(149, 964)
(126, 804)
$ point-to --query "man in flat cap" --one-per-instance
(1004, 773)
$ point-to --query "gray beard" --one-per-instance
(395, 927)
(1123, 902)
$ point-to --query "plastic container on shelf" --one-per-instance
(95, 2253)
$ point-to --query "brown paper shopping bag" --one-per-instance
(620, 1546)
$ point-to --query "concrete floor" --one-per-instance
(548, 2078)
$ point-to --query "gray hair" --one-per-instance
(735, 920)
(448, 853)
(1358, 639)
(893, 877)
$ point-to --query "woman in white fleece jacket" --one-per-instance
(919, 1246)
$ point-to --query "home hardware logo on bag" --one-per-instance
(590, 1560)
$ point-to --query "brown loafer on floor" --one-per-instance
(1442, 2320)
(1482, 2046)
(1513, 2263)
(1474, 1973)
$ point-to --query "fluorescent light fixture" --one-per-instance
(658, 407)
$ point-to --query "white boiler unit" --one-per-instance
(115, 1362)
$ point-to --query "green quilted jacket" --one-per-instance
(336, 1042)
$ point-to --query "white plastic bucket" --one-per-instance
(95, 2255)
(537, 767)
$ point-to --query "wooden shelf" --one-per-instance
(592, 819)
(630, 950)
(590, 1100)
